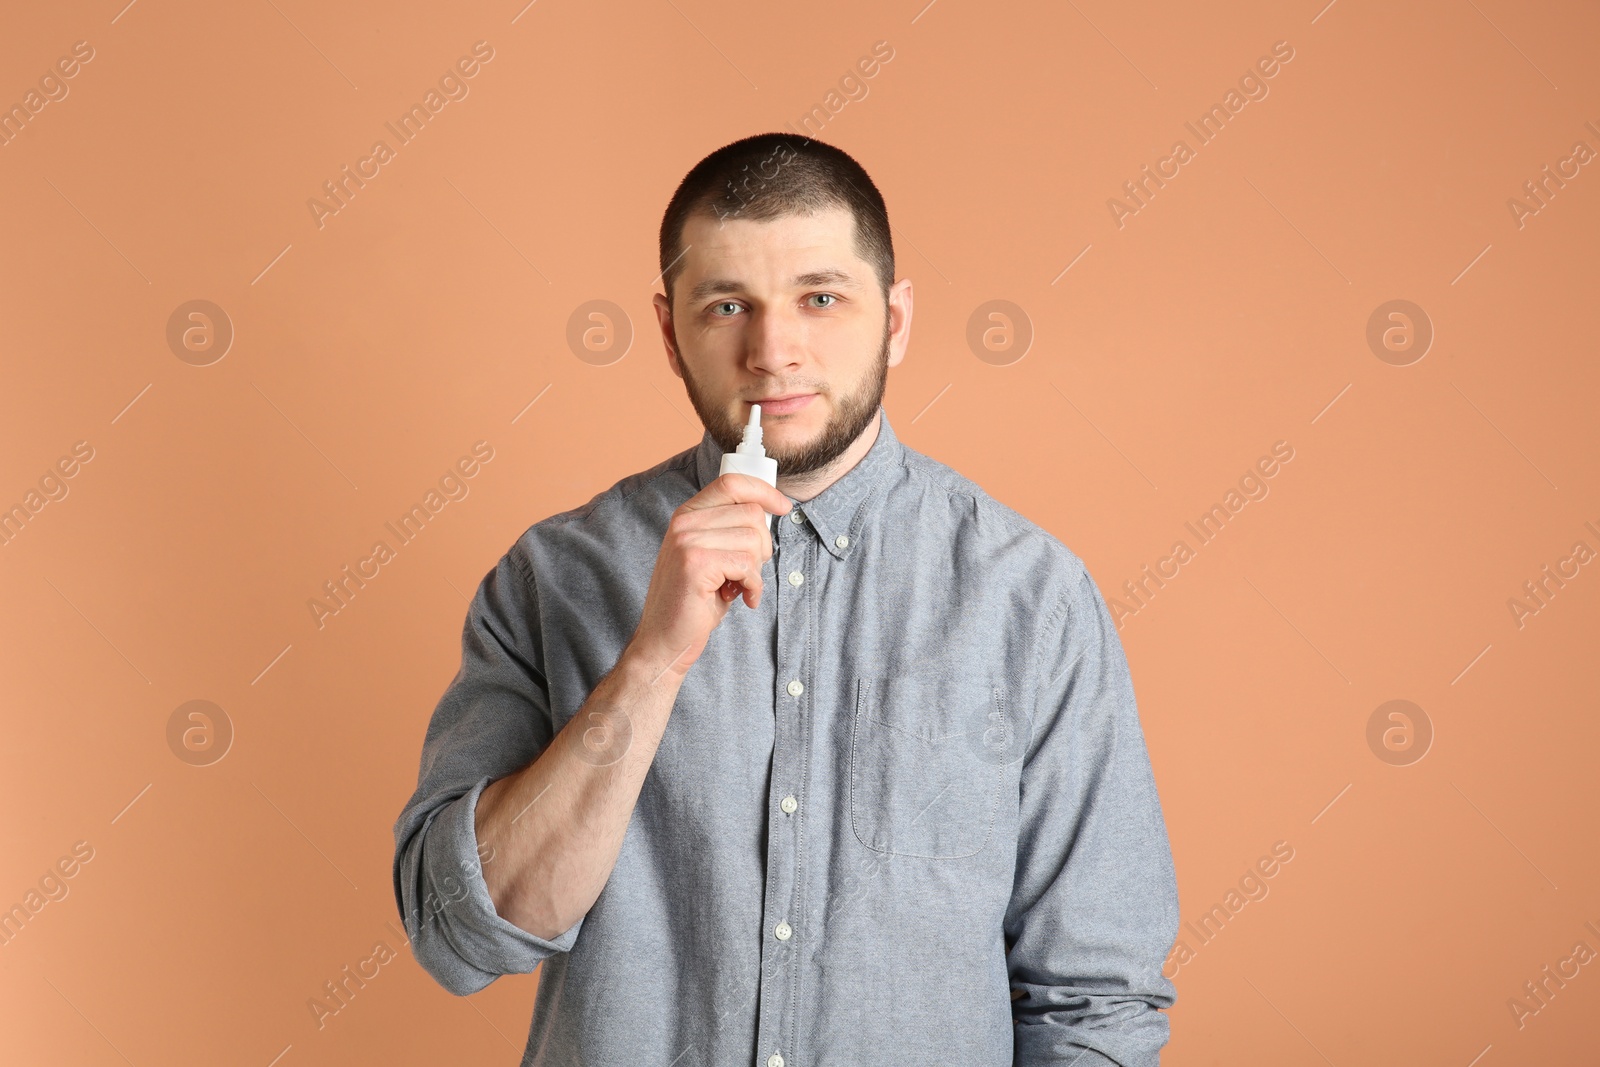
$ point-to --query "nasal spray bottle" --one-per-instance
(753, 460)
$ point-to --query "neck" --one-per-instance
(804, 487)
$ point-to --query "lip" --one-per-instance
(782, 405)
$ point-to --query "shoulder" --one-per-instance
(609, 519)
(1015, 556)
(1021, 557)
(979, 518)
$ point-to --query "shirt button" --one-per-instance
(795, 578)
(788, 804)
(783, 931)
(795, 688)
(774, 1060)
(795, 517)
(842, 541)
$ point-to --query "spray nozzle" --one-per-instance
(751, 445)
(750, 458)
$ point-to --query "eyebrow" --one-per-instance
(827, 276)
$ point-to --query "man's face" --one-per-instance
(785, 308)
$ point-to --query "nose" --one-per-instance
(775, 343)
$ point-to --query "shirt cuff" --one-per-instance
(1036, 1045)
(466, 916)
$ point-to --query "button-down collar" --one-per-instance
(843, 512)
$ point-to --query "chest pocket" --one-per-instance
(924, 779)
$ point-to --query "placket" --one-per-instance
(794, 553)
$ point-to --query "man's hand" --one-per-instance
(712, 553)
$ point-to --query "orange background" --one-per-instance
(1228, 313)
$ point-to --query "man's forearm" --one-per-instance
(550, 834)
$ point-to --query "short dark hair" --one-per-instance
(769, 175)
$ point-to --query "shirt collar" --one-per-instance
(839, 514)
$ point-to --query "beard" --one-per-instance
(852, 414)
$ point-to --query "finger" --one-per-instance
(733, 488)
(748, 514)
(733, 539)
(731, 591)
(739, 566)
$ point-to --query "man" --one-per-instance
(892, 806)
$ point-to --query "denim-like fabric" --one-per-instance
(974, 813)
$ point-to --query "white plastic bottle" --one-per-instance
(751, 458)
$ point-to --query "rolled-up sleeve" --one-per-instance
(493, 719)
(1094, 907)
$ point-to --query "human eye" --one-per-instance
(823, 296)
(723, 304)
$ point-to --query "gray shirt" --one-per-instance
(902, 812)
